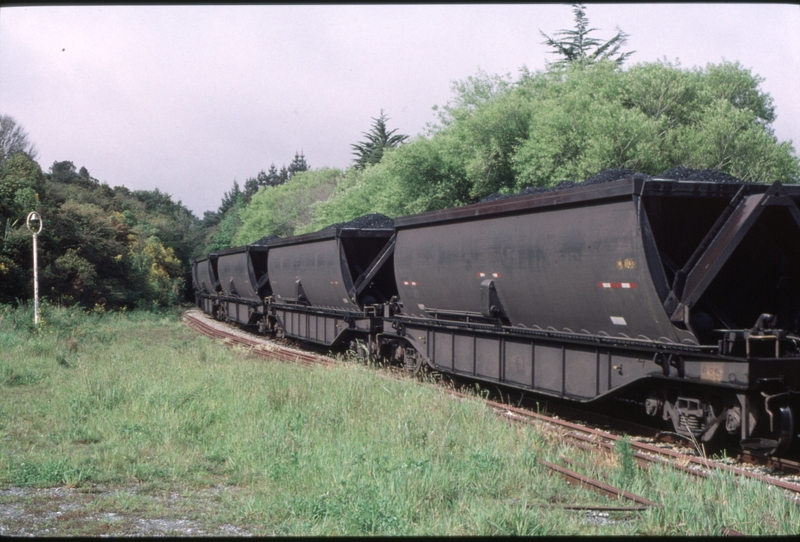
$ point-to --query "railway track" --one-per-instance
(580, 435)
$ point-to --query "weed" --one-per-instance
(627, 464)
(48, 472)
(502, 521)
(10, 376)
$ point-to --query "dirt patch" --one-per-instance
(106, 511)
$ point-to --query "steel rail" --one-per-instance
(596, 485)
(280, 353)
(641, 446)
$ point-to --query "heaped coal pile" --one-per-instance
(527, 191)
(605, 176)
(614, 174)
(681, 173)
(265, 240)
(374, 220)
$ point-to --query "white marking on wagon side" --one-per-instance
(618, 321)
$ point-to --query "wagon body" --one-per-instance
(580, 292)
(244, 282)
(318, 280)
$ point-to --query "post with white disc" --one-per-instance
(34, 224)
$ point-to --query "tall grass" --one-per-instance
(139, 398)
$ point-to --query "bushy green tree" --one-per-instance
(288, 209)
(650, 118)
(100, 247)
(21, 183)
(222, 236)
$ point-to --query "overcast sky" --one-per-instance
(189, 98)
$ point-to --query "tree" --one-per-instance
(14, 139)
(287, 209)
(251, 186)
(298, 165)
(283, 176)
(370, 151)
(229, 199)
(577, 45)
(21, 183)
(222, 237)
(272, 175)
(262, 179)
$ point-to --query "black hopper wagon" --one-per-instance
(243, 284)
(683, 296)
(206, 284)
(329, 287)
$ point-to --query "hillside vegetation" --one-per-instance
(100, 247)
(499, 135)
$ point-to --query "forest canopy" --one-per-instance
(100, 247)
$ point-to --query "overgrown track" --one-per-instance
(258, 347)
(583, 436)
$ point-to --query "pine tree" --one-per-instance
(370, 152)
(272, 175)
(229, 199)
(251, 186)
(283, 176)
(298, 165)
(577, 45)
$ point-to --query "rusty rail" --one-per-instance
(596, 485)
(255, 347)
(605, 439)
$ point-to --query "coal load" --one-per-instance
(374, 220)
(265, 240)
(614, 174)
(604, 176)
(527, 191)
(681, 173)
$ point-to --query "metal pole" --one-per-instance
(37, 220)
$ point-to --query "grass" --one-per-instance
(140, 405)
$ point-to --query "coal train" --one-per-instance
(680, 296)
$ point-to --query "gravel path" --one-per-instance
(110, 511)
